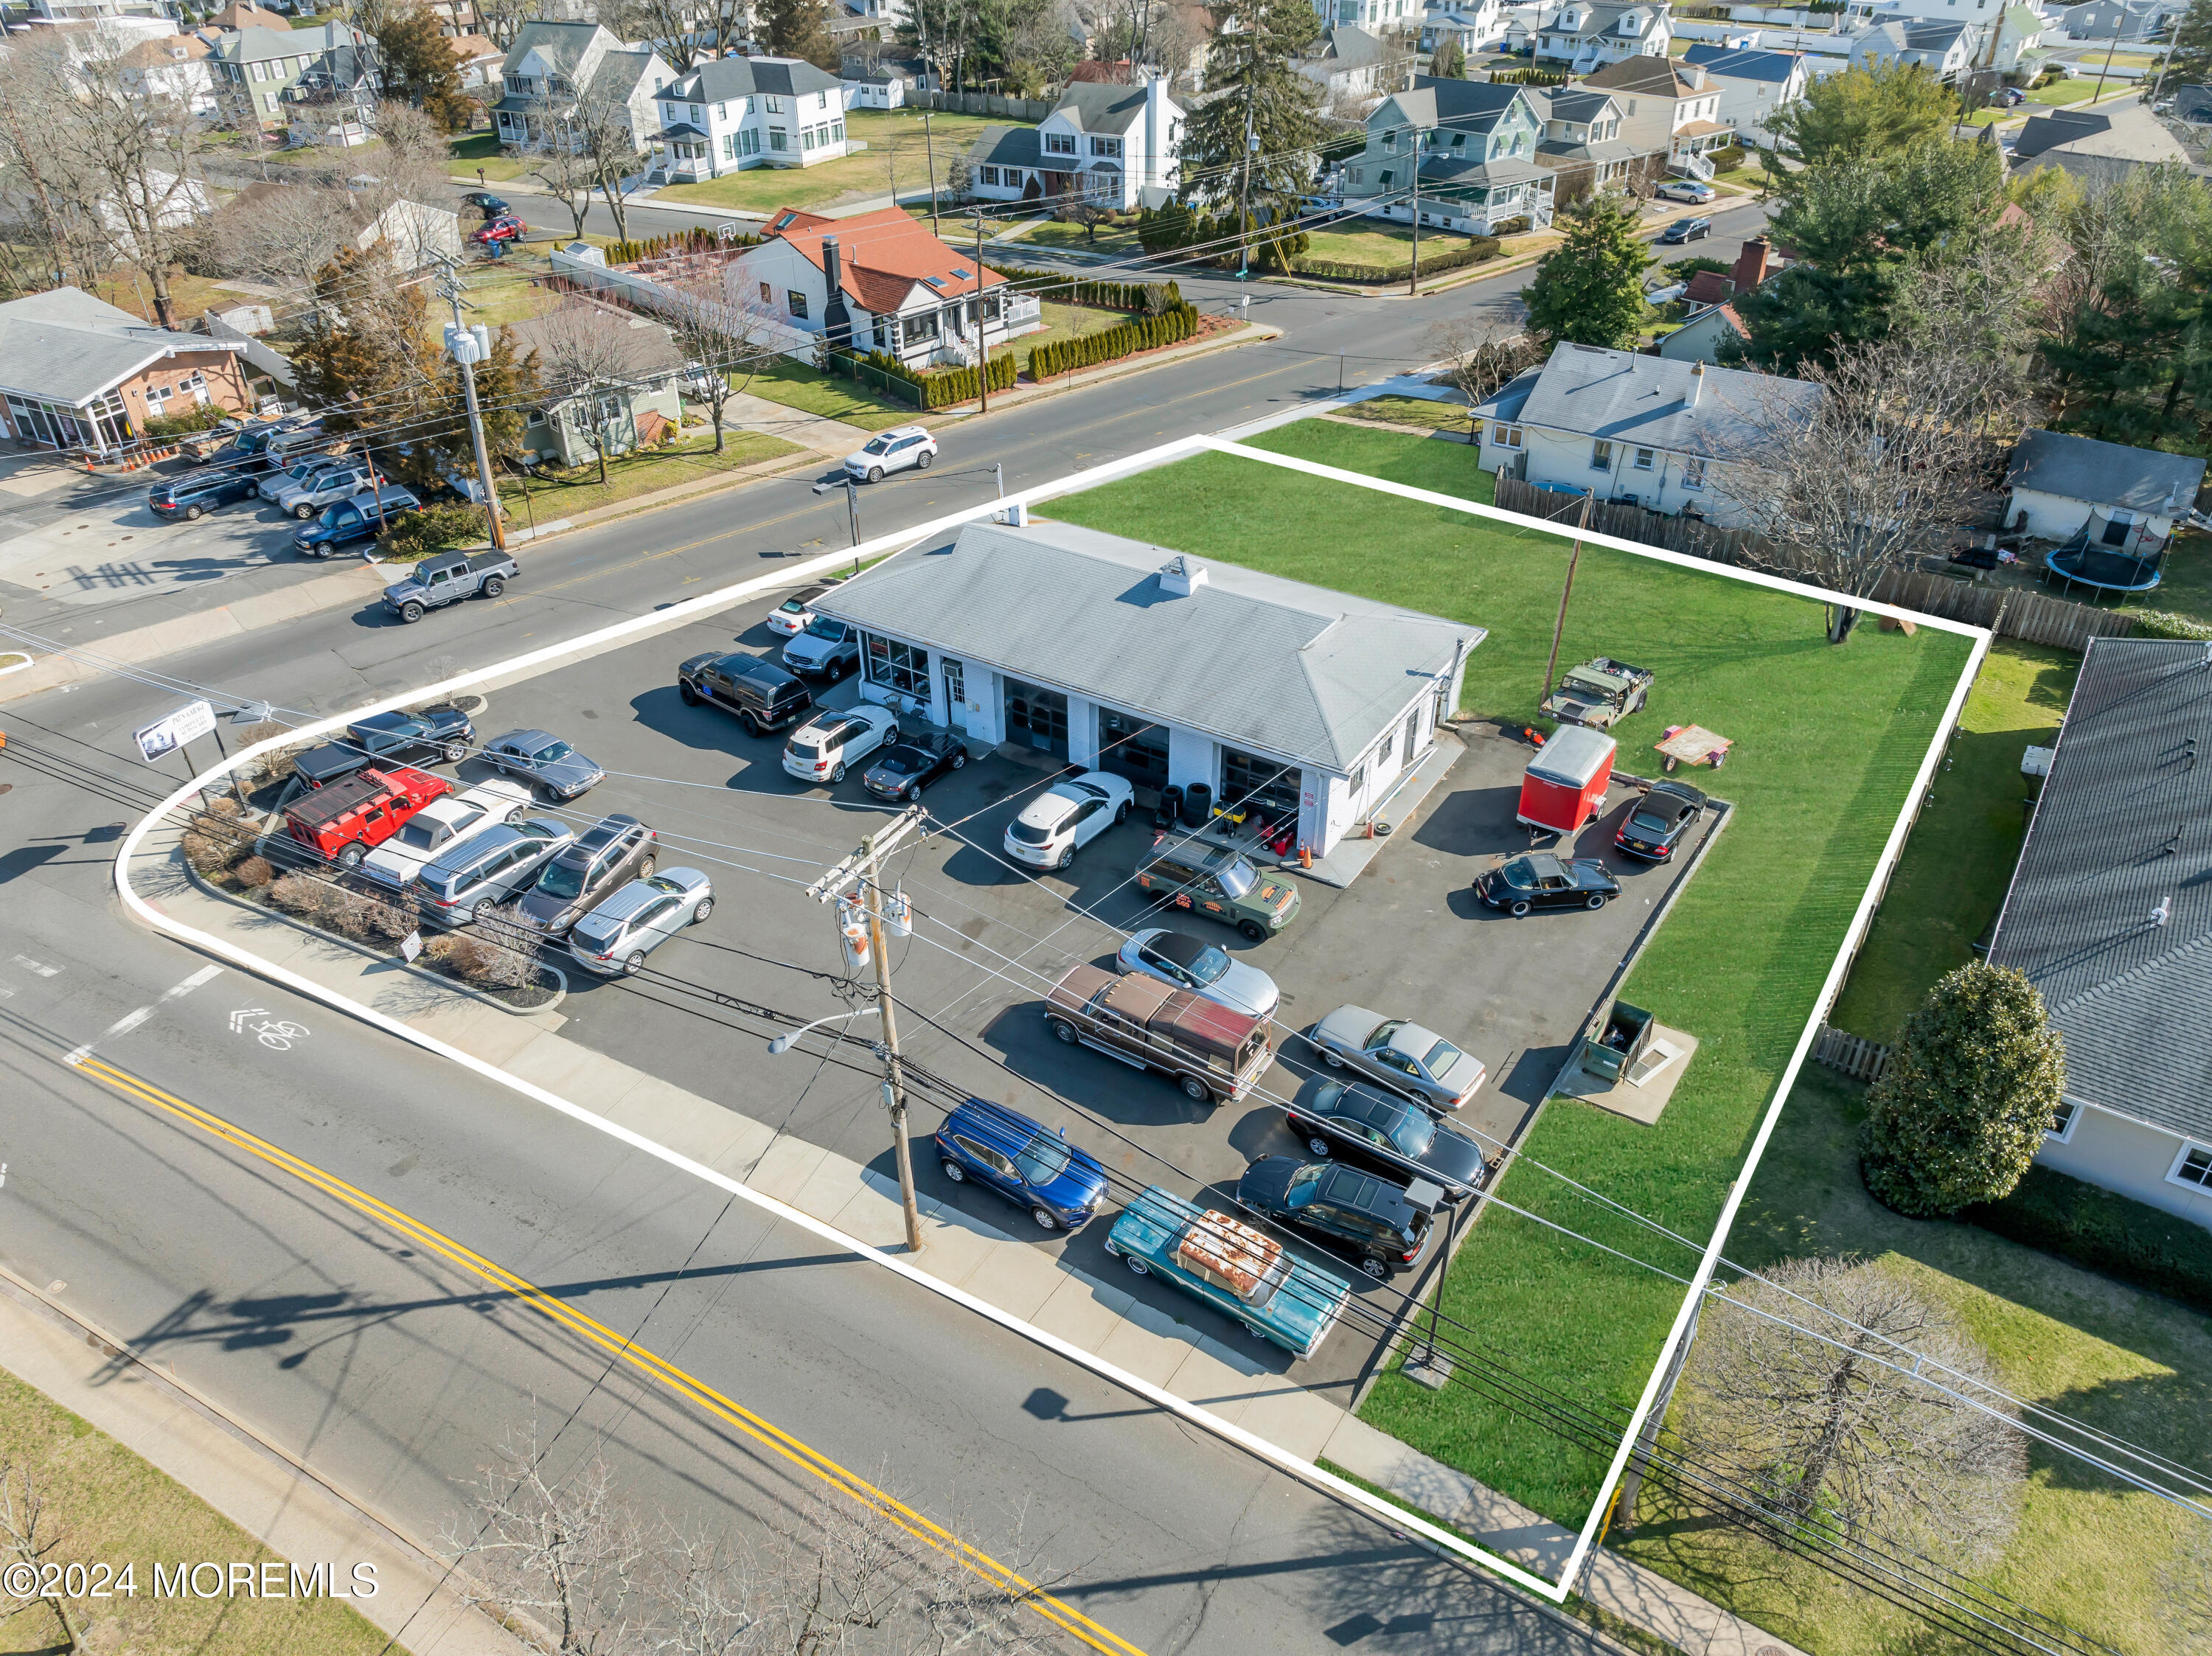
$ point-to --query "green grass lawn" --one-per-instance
(1427, 416)
(500, 293)
(475, 150)
(896, 153)
(629, 476)
(1058, 235)
(2088, 1550)
(1828, 742)
(1957, 864)
(797, 385)
(2186, 589)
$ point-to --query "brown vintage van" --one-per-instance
(1214, 1053)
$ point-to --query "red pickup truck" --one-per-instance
(347, 820)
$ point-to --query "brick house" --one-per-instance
(77, 373)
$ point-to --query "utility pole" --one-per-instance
(467, 346)
(983, 338)
(2165, 63)
(1414, 276)
(2105, 68)
(864, 865)
(929, 145)
(1244, 197)
(1560, 626)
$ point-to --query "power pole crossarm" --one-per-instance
(465, 347)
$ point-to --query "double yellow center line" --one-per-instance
(658, 1369)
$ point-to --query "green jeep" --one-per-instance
(1221, 885)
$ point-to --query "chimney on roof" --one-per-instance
(1182, 576)
(1156, 122)
(1750, 265)
(836, 320)
(1697, 381)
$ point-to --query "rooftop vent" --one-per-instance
(1182, 576)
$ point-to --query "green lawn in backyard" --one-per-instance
(2087, 1551)
(107, 1503)
(499, 294)
(895, 152)
(629, 476)
(797, 385)
(1829, 740)
(2186, 589)
(481, 150)
(1959, 860)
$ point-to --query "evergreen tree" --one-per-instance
(798, 29)
(363, 337)
(419, 64)
(1588, 290)
(1968, 1095)
(1252, 89)
(2191, 62)
(1864, 114)
(1449, 63)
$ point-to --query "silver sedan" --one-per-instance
(617, 936)
(1403, 1056)
(1182, 961)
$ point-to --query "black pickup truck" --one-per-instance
(448, 579)
(394, 739)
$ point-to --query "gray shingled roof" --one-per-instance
(248, 46)
(1581, 105)
(740, 77)
(1510, 400)
(1288, 670)
(2105, 474)
(2124, 827)
(1096, 108)
(68, 346)
(1469, 106)
(560, 44)
(1737, 63)
(1006, 146)
(1627, 397)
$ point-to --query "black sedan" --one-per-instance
(544, 759)
(1393, 1137)
(1685, 230)
(1659, 820)
(902, 773)
(1541, 880)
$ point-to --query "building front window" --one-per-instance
(903, 668)
(1601, 456)
(1505, 436)
(2062, 1120)
(1693, 474)
(1059, 143)
(989, 175)
(778, 138)
(1645, 459)
(2193, 1166)
(797, 304)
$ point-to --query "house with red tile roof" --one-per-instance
(881, 281)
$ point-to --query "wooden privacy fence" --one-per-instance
(1852, 1055)
(2007, 611)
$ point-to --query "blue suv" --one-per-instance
(192, 497)
(1021, 1160)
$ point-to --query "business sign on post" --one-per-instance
(165, 735)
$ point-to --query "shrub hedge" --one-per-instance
(2105, 1231)
(418, 534)
(184, 424)
(2161, 623)
(697, 239)
(1151, 298)
(942, 387)
(1728, 159)
(1145, 333)
(1480, 248)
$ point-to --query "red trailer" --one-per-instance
(1565, 786)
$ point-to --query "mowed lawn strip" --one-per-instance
(1828, 741)
(897, 153)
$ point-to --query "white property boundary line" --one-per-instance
(661, 620)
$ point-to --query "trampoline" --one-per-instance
(2100, 557)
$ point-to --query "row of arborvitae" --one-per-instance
(1147, 298)
(1145, 333)
(1449, 256)
(940, 388)
(697, 240)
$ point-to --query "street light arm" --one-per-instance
(782, 1043)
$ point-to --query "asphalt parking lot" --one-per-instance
(1407, 938)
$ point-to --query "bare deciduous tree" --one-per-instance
(1831, 1431)
(280, 235)
(1480, 357)
(1892, 459)
(29, 1530)
(720, 327)
(586, 350)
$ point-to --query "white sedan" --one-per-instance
(442, 825)
(1687, 190)
(895, 450)
(1066, 816)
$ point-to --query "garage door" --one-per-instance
(1267, 785)
(1036, 716)
(1130, 747)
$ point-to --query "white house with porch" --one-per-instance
(552, 69)
(881, 281)
(1589, 36)
(1304, 704)
(1109, 146)
(736, 114)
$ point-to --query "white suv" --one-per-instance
(892, 451)
(820, 749)
(1067, 816)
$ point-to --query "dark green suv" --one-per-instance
(1221, 885)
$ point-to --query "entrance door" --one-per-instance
(955, 695)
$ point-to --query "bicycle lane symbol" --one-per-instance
(274, 1032)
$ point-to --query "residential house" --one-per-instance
(1583, 141)
(1668, 108)
(1705, 334)
(1375, 15)
(414, 234)
(172, 67)
(245, 14)
(1943, 49)
(2123, 20)
(733, 114)
(2126, 497)
(2097, 146)
(1525, 23)
(1588, 35)
(549, 64)
(1298, 705)
(2109, 915)
(455, 17)
(879, 281)
(881, 89)
(2018, 32)
(1112, 145)
(78, 11)
(1350, 64)
(259, 65)
(1756, 264)
(1650, 431)
(1753, 84)
(334, 104)
(1475, 26)
(77, 372)
(1477, 142)
(574, 423)
(479, 60)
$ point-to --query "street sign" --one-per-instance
(165, 735)
(411, 945)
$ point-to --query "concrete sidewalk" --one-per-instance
(1019, 1279)
(285, 1507)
